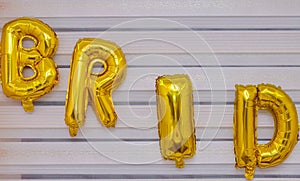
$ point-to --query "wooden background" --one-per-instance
(217, 43)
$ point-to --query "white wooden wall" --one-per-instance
(217, 43)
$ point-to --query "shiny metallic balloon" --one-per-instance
(83, 81)
(248, 154)
(244, 129)
(285, 116)
(175, 114)
(15, 58)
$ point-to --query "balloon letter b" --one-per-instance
(175, 114)
(248, 154)
(82, 80)
(15, 58)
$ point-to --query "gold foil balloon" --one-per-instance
(83, 81)
(286, 125)
(245, 136)
(175, 114)
(15, 58)
(248, 154)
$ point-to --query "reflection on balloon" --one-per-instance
(15, 58)
(175, 114)
(87, 54)
(248, 154)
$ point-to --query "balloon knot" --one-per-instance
(27, 105)
(73, 131)
(249, 173)
(179, 162)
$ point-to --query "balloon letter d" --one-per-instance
(248, 154)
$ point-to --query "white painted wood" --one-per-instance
(64, 8)
(204, 97)
(253, 41)
(201, 59)
(134, 116)
(227, 169)
(190, 41)
(77, 153)
(123, 178)
(270, 23)
(131, 134)
(208, 78)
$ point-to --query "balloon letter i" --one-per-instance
(175, 114)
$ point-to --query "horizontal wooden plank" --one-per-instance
(100, 177)
(54, 134)
(77, 153)
(269, 23)
(133, 98)
(148, 171)
(127, 8)
(208, 78)
(201, 59)
(132, 116)
(145, 177)
(148, 97)
(201, 170)
(103, 153)
(135, 122)
(217, 43)
(190, 41)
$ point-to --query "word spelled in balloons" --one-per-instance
(175, 109)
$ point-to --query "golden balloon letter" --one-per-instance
(245, 129)
(175, 114)
(249, 99)
(15, 58)
(87, 54)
